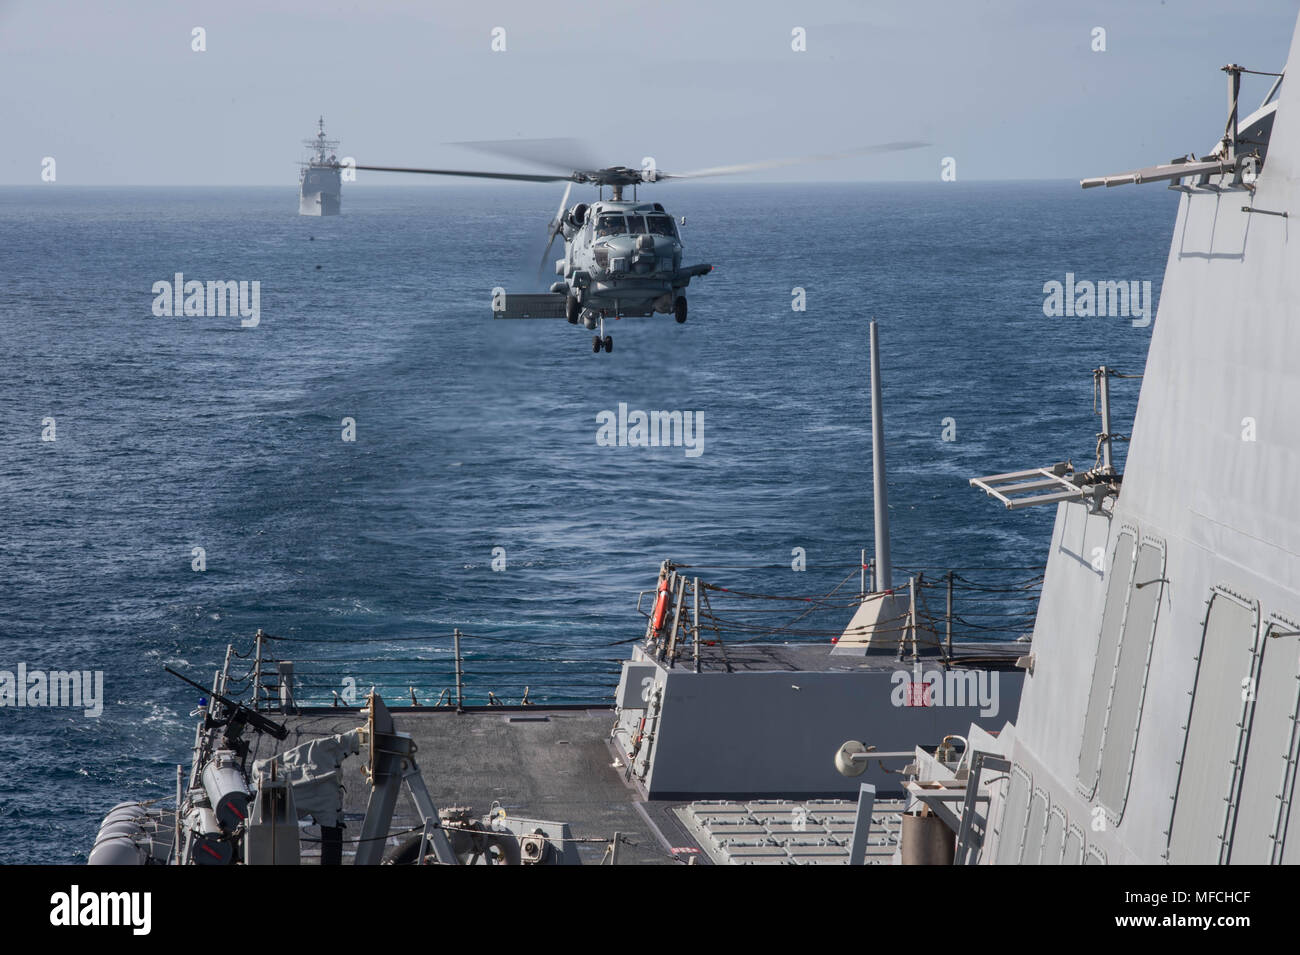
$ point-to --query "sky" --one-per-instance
(1009, 89)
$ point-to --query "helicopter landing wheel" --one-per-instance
(679, 310)
(595, 343)
(571, 309)
(609, 343)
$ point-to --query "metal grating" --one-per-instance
(787, 832)
(1203, 800)
(1103, 668)
(1017, 489)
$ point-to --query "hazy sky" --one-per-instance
(1010, 88)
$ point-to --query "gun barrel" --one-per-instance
(250, 715)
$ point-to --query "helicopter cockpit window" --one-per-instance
(661, 225)
(636, 225)
(609, 225)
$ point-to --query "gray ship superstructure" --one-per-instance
(320, 184)
(1158, 719)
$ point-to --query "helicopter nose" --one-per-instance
(651, 254)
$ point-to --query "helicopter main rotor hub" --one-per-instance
(615, 176)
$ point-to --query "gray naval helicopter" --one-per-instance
(622, 258)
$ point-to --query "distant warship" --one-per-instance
(320, 182)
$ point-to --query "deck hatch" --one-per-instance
(1035, 829)
(1074, 842)
(1204, 799)
(1015, 808)
(1265, 798)
(1128, 688)
(1054, 839)
(1103, 668)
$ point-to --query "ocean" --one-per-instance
(198, 486)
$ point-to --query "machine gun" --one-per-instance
(239, 714)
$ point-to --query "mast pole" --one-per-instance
(883, 566)
(1103, 384)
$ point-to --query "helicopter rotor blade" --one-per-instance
(775, 163)
(516, 176)
(554, 230)
(562, 155)
(559, 213)
(541, 267)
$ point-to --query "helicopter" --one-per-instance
(622, 257)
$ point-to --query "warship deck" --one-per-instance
(556, 763)
(536, 762)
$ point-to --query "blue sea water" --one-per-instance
(181, 432)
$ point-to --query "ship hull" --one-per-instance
(320, 192)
